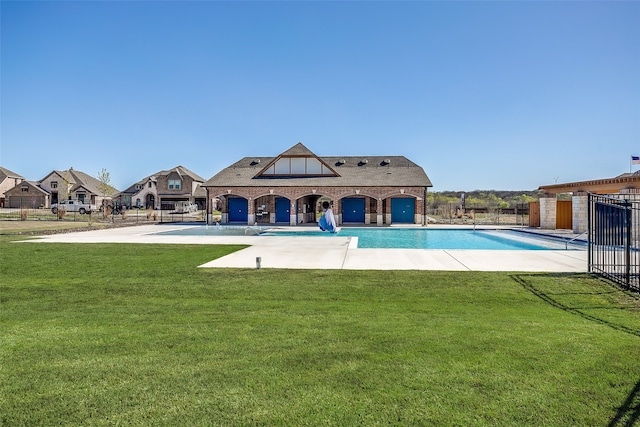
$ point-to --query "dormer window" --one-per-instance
(175, 184)
(297, 166)
(296, 162)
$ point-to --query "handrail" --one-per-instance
(566, 247)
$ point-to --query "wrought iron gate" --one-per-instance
(614, 249)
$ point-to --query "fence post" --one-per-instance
(627, 243)
(589, 231)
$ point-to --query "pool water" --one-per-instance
(409, 238)
(425, 238)
(216, 230)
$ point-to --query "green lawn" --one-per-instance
(106, 334)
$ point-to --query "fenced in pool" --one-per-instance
(614, 238)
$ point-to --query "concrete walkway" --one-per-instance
(338, 252)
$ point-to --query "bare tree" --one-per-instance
(105, 187)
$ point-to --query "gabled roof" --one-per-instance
(6, 173)
(298, 151)
(90, 183)
(79, 179)
(132, 188)
(352, 171)
(180, 170)
(32, 184)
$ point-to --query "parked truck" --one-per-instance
(73, 206)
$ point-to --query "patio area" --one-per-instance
(338, 253)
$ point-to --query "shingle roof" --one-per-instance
(132, 188)
(6, 173)
(90, 183)
(34, 185)
(181, 170)
(80, 179)
(298, 150)
(354, 171)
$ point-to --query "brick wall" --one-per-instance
(375, 199)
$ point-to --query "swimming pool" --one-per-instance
(434, 238)
(409, 238)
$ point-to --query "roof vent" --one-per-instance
(363, 162)
(255, 162)
(341, 162)
(385, 162)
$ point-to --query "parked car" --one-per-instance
(185, 207)
(73, 206)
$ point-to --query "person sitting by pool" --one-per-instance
(327, 221)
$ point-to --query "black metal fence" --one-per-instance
(614, 238)
(110, 215)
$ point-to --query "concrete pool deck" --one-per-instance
(338, 252)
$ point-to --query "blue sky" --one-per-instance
(483, 95)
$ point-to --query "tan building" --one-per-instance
(27, 195)
(572, 214)
(57, 186)
(8, 180)
(290, 188)
(626, 183)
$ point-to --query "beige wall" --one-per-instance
(580, 212)
(548, 212)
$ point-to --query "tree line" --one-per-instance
(482, 198)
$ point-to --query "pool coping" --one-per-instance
(339, 253)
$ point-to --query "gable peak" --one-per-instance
(297, 150)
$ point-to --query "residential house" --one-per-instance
(61, 185)
(27, 195)
(8, 180)
(162, 190)
(289, 188)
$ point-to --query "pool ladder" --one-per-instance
(566, 246)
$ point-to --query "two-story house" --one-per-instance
(163, 189)
(58, 186)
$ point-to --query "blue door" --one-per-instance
(282, 209)
(238, 209)
(402, 210)
(353, 210)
